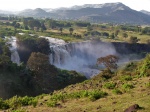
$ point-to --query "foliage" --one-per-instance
(71, 30)
(105, 74)
(28, 44)
(16, 102)
(4, 61)
(127, 87)
(109, 85)
(82, 24)
(133, 39)
(38, 62)
(126, 78)
(147, 85)
(116, 91)
(3, 104)
(146, 30)
(108, 61)
(65, 77)
(51, 103)
(92, 95)
(125, 35)
(144, 68)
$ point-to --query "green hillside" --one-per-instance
(107, 92)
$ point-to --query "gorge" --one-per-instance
(82, 56)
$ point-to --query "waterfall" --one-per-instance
(79, 56)
(13, 48)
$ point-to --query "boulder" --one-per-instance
(132, 108)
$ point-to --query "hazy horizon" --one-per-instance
(16, 5)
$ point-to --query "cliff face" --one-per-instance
(127, 48)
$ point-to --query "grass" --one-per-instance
(92, 98)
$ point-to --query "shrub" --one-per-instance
(148, 85)
(15, 102)
(51, 103)
(92, 95)
(126, 78)
(3, 104)
(58, 97)
(26, 100)
(96, 95)
(116, 91)
(144, 69)
(109, 85)
(127, 87)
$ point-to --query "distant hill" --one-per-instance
(145, 12)
(5, 12)
(95, 13)
(109, 12)
(38, 12)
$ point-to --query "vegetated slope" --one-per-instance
(106, 92)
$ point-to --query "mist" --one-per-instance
(81, 56)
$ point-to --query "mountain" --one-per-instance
(38, 12)
(5, 12)
(35, 13)
(95, 13)
(109, 12)
(145, 12)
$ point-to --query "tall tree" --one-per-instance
(61, 29)
(38, 62)
(108, 61)
(71, 30)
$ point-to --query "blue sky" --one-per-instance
(32, 4)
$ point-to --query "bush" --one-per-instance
(144, 69)
(3, 104)
(51, 103)
(16, 102)
(26, 100)
(109, 85)
(95, 95)
(92, 95)
(116, 91)
(126, 78)
(148, 85)
(127, 87)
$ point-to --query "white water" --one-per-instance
(13, 48)
(78, 56)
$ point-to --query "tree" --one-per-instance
(34, 23)
(89, 28)
(61, 29)
(112, 36)
(108, 61)
(125, 35)
(71, 30)
(38, 62)
(42, 45)
(4, 61)
(51, 23)
(133, 39)
(116, 33)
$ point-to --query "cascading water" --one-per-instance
(13, 48)
(78, 56)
